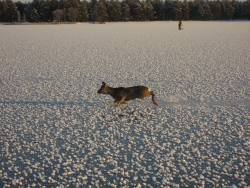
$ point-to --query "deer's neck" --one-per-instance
(112, 92)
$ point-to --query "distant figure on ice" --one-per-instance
(180, 24)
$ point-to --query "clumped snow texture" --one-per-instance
(56, 131)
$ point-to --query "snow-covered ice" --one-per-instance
(56, 131)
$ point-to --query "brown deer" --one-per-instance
(123, 95)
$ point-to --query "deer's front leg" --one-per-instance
(118, 102)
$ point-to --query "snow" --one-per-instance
(57, 131)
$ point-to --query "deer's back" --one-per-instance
(131, 92)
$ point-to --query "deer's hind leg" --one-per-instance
(153, 97)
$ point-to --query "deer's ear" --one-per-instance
(103, 83)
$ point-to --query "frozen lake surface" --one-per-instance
(56, 131)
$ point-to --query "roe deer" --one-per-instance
(122, 95)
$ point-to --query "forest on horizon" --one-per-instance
(126, 10)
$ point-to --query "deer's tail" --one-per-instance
(153, 97)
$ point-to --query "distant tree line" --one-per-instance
(126, 10)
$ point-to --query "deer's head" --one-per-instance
(103, 89)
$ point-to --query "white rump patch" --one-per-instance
(149, 90)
